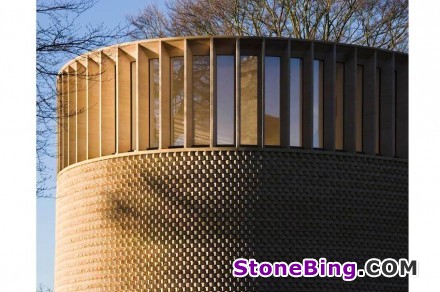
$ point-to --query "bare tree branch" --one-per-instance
(377, 23)
(60, 38)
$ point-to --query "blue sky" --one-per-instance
(110, 13)
(113, 12)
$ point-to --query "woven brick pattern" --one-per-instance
(176, 220)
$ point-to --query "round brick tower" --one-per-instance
(179, 155)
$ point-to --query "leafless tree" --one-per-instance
(59, 38)
(377, 23)
(43, 288)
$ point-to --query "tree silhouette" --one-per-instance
(59, 38)
(376, 23)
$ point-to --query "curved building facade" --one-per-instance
(179, 155)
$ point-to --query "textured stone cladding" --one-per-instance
(175, 221)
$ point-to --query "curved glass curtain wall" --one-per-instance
(208, 93)
(201, 100)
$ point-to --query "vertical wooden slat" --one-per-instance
(188, 95)
(401, 105)
(143, 98)
(329, 98)
(237, 92)
(108, 105)
(387, 104)
(369, 113)
(93, 110)
(339, 106)
(350, 70)
(378, 108)
(59, 119)
(164, 97)
(133, 105)
(212, 94)
(65, 119)
(123, 108)
(72, 114)
(81, 109)
(261, 94)
(285, 97)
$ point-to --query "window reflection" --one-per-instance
(318, 80)
(176, 98)
(359, 106)
(201, 97)
(225, 100)
(295, 102)
(248, 100)
(272, 101)
(154, 102)
(339, 110)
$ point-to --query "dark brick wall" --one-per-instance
(178, 219)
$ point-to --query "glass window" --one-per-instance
(201, 97)
(225, 100)
(154, 103)
(295, 102)
(318, 82)
(248, 100)
(272, 100)
(339, 110)
(359, 106)
(176, 98)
